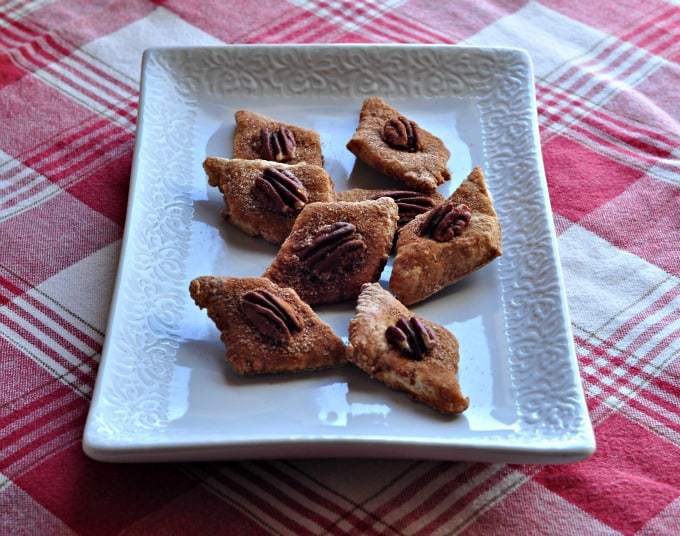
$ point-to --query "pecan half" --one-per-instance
(335, 247)
(446, 222)
(278, 145)
(411, 337)
(271, 316)
(410, 204)
(279, 190)
(400, 133)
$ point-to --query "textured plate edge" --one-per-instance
(578, 447)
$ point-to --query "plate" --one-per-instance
(164, 391)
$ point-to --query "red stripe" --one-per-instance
(260, 503)
(44, 309)
(74, 424)
(57, 391)
(658, 417)
(49, 156)
(438, 496)
(18, 24)
(58, 338)
(417, 26)
(633, 34)
(81, 166)
(358, 524)
(580, 103)
(83, 377)
(35, 60)
(342, 15)
(631, 323)
(297, 33)
(286, 23)
(461, 503)
(41, 421)
(129, 90)
(299, 508)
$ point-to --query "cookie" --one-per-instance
(447, 243)
(398, 147)
(263, 198)
(409, 203)
(260, 137)
(266, 328)
(404, 351)
(334, 248)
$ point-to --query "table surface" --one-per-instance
(607, 79)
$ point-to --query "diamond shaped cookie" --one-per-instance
(263, 198)
(260, 137)
(447, 243)
(334, 248)
(405, 352)
(266, 328)
(398, 147)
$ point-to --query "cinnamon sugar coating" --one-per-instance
(374, 223)
(247, 141)
(421, 170)
(424, 266)
(431, 379)
(235, 178)
(250, 351)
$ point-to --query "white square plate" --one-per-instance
(164, 391)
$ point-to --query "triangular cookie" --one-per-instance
(263, 198)
(404, 351)
(334, 248)
(409, 203)
(260, 137)
(398, 147)
(447, 243)
(266, 328)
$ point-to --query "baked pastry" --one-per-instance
(334, 248)
(260, 137)
(409, 203)
(398, 147)
(266, 328)
(447, 243)
(404, 351)
(263, 198)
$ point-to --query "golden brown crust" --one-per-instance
(247, 138)
(423, 266)
(375, 221)
(235, 179)
(431, 380)
(248, 351)
(422, 170)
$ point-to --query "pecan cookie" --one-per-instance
(409, 203)
(263, 198)
(446, 243)
(334, 248)
(266, 328)
(398, 147)
(260, 137)
(404, 351)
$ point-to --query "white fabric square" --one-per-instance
(551, 38)
(123, 49)
(603, 280)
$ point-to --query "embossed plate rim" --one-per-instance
(102, 440)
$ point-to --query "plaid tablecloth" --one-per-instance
(608, 90)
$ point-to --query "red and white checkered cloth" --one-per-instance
(607, 80)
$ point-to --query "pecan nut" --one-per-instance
(446, 222)
(271, 316)
(277, 145)
(410, 204)
(411, 337)
(400, 133)
(279, 190)
(334, 247)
